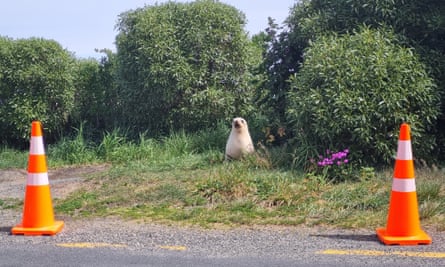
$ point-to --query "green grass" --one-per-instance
(183, 179)
(10, 203)
(12, 158)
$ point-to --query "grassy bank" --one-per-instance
(183, 179)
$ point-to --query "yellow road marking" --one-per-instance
(383, 253)
(178, 248)
(90, 245)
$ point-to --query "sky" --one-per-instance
(81, 26)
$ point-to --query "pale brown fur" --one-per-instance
(239, 142)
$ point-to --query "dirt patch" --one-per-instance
(62, 181)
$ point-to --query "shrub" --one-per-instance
(97, 106)
(355, 90)
(183, 66)
(36, 82)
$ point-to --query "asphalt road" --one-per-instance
(113, 242)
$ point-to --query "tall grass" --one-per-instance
(183, 178)
(72, 151)
(10, 158)
(115, 147)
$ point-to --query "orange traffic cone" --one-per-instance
(403, 226)
(38, 217)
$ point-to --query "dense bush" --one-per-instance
(354, 91)
(183, 66)
(36, 82)
(89, 94)
(96, 106)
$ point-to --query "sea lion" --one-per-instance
(239, 142)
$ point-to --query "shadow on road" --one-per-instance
(359, 237)
(5, 229)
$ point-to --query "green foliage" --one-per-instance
(116, 147)
(354, 91)
(148, 181)
(36, 83)
(110, 147)
(422, 22)
(183, 66)
(88, 94)
(333, 166)
(97, 102)
(419, 24)
(281, 58)
(75, 150)
(11, 158)
(77, 201)
(205, 140)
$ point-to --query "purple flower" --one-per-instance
(337, 158)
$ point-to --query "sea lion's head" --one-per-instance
(239, 124)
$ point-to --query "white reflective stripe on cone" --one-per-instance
(403, 185)
(37, 179)
(36, 146)
(404, 151)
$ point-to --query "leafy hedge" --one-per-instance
(36, 82)
(354, 90)
(182, 66)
